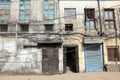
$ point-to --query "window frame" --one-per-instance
(109, 20)
(5, 9)
(69, 17)
(48, 10)
(113, 56)
(49, 29)
(23, 8)
(2, 29)
(67, 27)
(86, 10)
(23, 29)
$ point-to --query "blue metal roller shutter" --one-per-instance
(93, 57)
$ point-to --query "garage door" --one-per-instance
(93, 57)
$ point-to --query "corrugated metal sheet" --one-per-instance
(93, 57)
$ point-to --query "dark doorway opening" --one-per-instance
(71, 59)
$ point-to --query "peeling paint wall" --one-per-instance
(24, 60)
(27, 60)
(7, 48)
(17, 58)
(8, 43)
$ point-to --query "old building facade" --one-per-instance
(53, 36)
(28, 30)
(98, 23)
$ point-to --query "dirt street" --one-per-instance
(67, 76)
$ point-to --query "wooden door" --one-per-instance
(50, 61)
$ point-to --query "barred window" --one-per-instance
(68, 27)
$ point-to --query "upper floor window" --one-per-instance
(109, 18)
(49, 9)
(25, 10)
(68, 27)
(89, 18)
(70, 13)
(5, 3)
(4, 9)
(113, 54)
(24, 27)
(3, 27)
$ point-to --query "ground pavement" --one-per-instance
(67, 76)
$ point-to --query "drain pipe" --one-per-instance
(98, 1)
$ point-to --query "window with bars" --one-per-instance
(3, 27)
(48, 27)
(25, 10)
(24, 27)
(89, 18)
(68, 27)
(113, 54)
(49, 9)
(109, 18)
(70, 13)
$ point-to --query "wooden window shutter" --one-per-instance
(111, 56)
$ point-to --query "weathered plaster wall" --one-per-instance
(78, 22)
(109, 43)
(25, 60)
(76, 40)
(111, 65)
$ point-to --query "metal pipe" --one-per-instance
(16, 35)
(100, 17)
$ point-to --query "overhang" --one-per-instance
(92, 40)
